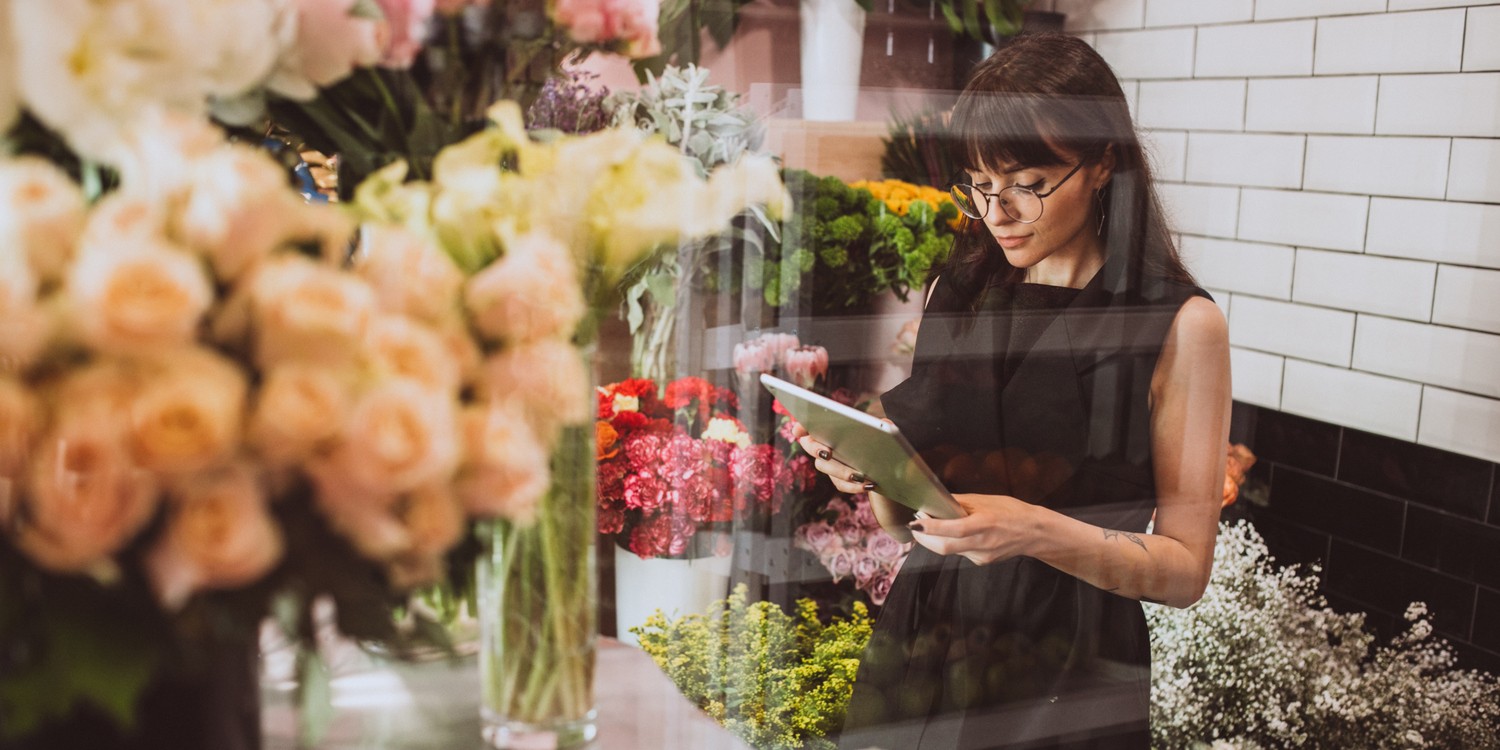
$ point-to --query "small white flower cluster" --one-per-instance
(1262, 662)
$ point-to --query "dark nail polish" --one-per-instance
(856, 477)
(915, 526)
(869, 486)
(825, 455)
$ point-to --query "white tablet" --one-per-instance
(869, 445)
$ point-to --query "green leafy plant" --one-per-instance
(778, 681)
(915, 149)
(843, 244)
(988, 20)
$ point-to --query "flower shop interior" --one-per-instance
(387, 373)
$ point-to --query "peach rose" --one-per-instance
(24, 329)
(299, 408)
(399, 436)
(188, 414)
(408, 272)
(308, 312)
(532, 292)
(219, 535)
(505, 471)
(366, 518)
(21, 421)
(399, 346)
(85, 499)
(548, 377)
(434, 522)
(118, 216)
(238, 209)
(139, 296)
(45, 212)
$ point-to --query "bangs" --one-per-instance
(992, 130)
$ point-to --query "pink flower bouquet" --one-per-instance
(850, 544)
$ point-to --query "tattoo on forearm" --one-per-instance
(1111, 534)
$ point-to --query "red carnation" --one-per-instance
(611, 519)
(629, 421)
(652, 537)
(644, 450)
(779, 409)
(754, 470)
(611, 481)
(645, 491)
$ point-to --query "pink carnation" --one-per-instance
(652, 537)
(754, 470)
(611, 481)
(645, 491)
(611, 518)
(643, 450)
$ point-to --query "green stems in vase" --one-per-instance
(538, 605)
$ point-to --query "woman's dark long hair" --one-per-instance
(1036, 96)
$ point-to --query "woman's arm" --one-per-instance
(1190, 405)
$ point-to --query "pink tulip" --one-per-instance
(754, 356)
(806, 364)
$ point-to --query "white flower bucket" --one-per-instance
(833, 42)
(676, 587)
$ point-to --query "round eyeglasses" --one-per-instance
(1020, 203)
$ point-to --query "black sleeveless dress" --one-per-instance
(1040, 393)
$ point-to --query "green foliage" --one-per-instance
(778, 681)
(916, 151)
(679, 26)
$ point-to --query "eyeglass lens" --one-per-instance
(1021, 204)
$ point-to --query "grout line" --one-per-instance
(1463, 41)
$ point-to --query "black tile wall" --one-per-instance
(1295, 441)
(1447, 481)
(1389, 585)
(1487, 620)
(1338, 509)
(1393, 522)
(1459, 547)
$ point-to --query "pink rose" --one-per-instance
(864, 513)
(840, 562)
(219, 535)
(331, 40)
(188, 413)
(817, 537)
(851, 532)
(806, 364)
(598, 21)
(882, 547)
(404, 30)
(880, 589)
(866, 568)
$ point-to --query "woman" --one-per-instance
(1070, 381)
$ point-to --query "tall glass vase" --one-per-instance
(537, 602)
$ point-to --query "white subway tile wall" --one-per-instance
(1094, 15)
(1243, 267)
(1451, 357)
(1245, 159)
(1194, 12)
(1409, 167)
(1474, 170)
(1256, 377)
(1167, 150)
(1300, 331)
(1384, 43)
(1192, 105)
(1467, 298)
(1460, 423)
(1321, 220)
(1372, 403)
(1480, 49)
(1351, 281)
(1255, 49)
(1457, 104)
(1268, 10)
(1444, 231)
(1201, 209)
(1331, 169)
(1155, 53)
(1312, 105)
